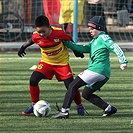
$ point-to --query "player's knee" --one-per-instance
(33, 82)
(84, 95)
(87, 94)
(35, 78)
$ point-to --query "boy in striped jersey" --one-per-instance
(55, 60)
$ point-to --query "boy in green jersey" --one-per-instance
(98, 72)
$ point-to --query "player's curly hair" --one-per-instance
(42, 20)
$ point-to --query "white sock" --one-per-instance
(108, 108)
(64, 110)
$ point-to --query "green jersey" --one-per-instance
(99, 49)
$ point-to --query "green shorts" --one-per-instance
(98, 85)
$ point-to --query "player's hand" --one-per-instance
(123, 66)
(21, 52)
(78, 54)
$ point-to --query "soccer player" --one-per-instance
(55, 60)
(98, 72)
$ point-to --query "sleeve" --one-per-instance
(113, 47)
(77, 47)
(34, 36)
(65, 36)
(28, 43)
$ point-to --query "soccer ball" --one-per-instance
(42, 109)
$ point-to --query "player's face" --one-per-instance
(44, 31)
(93, 32)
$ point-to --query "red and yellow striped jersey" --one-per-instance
(52, 49)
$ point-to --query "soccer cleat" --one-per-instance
(61, 115)
(113, 111)
(28, 111)
(80, 110)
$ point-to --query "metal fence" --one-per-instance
(17, 18)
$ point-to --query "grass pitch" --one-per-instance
(15, 97)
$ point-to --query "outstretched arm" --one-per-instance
(21, 51)
(79, 48)
(78, 54)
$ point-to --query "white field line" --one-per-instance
(71, 58)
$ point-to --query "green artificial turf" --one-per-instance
(15, 97)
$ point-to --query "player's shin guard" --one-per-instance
(34, 92)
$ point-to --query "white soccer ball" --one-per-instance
(42, 109)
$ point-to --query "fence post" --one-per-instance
(75, 24)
